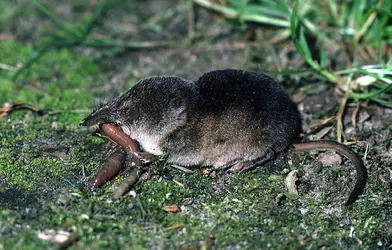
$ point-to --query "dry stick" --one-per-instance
(346, 52)
(7, 67)
(339, 117)
(342, 106)
(354, 116)
(323, 122)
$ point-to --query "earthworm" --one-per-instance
(117, 135)
(130, 181)
(110, 169)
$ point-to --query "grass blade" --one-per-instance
(61, 24)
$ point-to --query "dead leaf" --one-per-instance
(7, 108)
(58, 236)
(291, 183)
(323, 122)
(322, 133)
(172, 209)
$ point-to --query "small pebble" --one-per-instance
(330, 158)
(303, 210)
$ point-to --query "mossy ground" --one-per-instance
(47, 161)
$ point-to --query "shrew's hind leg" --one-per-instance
(240, 166)
(244, 165)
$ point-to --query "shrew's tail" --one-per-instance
(346, 151)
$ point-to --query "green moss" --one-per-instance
(60, 81)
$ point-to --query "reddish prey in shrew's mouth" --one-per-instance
(116, 160)
(118, 136)
(109, 169)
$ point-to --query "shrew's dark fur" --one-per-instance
(229, 119)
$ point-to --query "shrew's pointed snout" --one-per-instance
(90, 120)
(95, 118)
(84, 122)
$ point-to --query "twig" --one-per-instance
(77, 111)
(324, 121)
(130, 45)
(339, 117)
(174, 227)
(367, 150)
(7, 67)
(354, 116)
